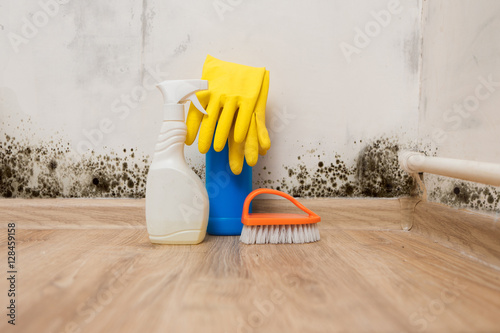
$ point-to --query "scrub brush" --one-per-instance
(272, 228)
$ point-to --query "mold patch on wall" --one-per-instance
(49, 170)
(199, 169)
(462, 194)
(376, 173)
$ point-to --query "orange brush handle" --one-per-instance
(246, 218)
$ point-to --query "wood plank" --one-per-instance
(352, 280)
(469, 233)
(74, 213)
(374, 214)
(112, 279)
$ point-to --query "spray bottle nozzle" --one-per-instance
(181, 91)
(195, 102)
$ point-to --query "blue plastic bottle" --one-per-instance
(226, 193)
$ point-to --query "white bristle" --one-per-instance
(310, 235)
(289, 234)
(280, 234)
(301, 234)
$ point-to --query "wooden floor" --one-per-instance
(88, 266)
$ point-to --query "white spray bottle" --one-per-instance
(176, 199)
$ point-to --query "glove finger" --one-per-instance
(236, 154)
(224, 124)
(194, 117)
(262, 151)
(193, 122)
(262, 134)
(252, 144)
(260, 111)
(243, 121)
(208, 125)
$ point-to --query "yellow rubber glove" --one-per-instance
(258, 138)
(253, 145)
(257, 141)
(236, 89)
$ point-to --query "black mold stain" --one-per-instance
(490, 199)
(45, 171)
(52, 165)
(199, 170)
(101, 182)
(376, 174)
(29, 171)
(463, 194)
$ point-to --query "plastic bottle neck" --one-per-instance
(170, 144)
(173, 112)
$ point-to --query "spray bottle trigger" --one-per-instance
(196, 103)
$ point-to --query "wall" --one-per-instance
(460, 96)
(80, 114)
